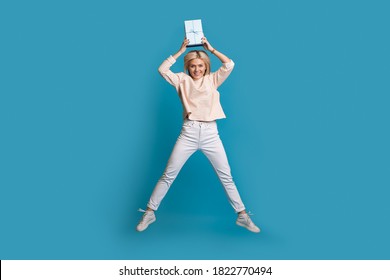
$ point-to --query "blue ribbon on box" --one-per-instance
(195, 33)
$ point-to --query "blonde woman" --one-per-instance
(198, 93)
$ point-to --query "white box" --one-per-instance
(194, 32)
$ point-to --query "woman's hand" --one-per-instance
(182, 49)
(207, 45)
(183, 46)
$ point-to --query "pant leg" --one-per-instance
(186, 144)
(211, 145)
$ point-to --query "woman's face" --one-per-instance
(196, 68)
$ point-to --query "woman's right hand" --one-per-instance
(182, 49)
(184, 45)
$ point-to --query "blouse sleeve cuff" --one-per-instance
(228, 65)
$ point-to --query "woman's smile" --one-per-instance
(197, 68)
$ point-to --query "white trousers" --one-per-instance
(194, 136)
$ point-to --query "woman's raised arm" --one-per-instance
(206, 44)
(182, 49)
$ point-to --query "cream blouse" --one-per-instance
(200, 98)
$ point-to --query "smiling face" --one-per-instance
(197, 68)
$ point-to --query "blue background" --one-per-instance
(87, 125)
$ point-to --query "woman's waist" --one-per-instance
(199, 123)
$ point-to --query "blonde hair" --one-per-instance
(197, 54)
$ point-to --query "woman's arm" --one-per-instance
(224, 71)
(206, 44)
(165, 67)
(182, 49)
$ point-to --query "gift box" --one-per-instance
(194, 32)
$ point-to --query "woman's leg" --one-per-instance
(211, 145)
(185, 146)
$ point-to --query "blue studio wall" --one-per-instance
(87, 125)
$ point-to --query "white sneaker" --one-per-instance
(147, 218)
(245, 221)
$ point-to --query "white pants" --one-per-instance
(195, 136)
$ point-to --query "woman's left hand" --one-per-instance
(207, 45)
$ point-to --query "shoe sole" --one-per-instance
(248, 228)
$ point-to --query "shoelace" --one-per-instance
(248, 219)
(143, 211)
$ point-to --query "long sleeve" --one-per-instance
(167, 74)
(222, 73)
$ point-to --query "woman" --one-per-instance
(201, 107)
